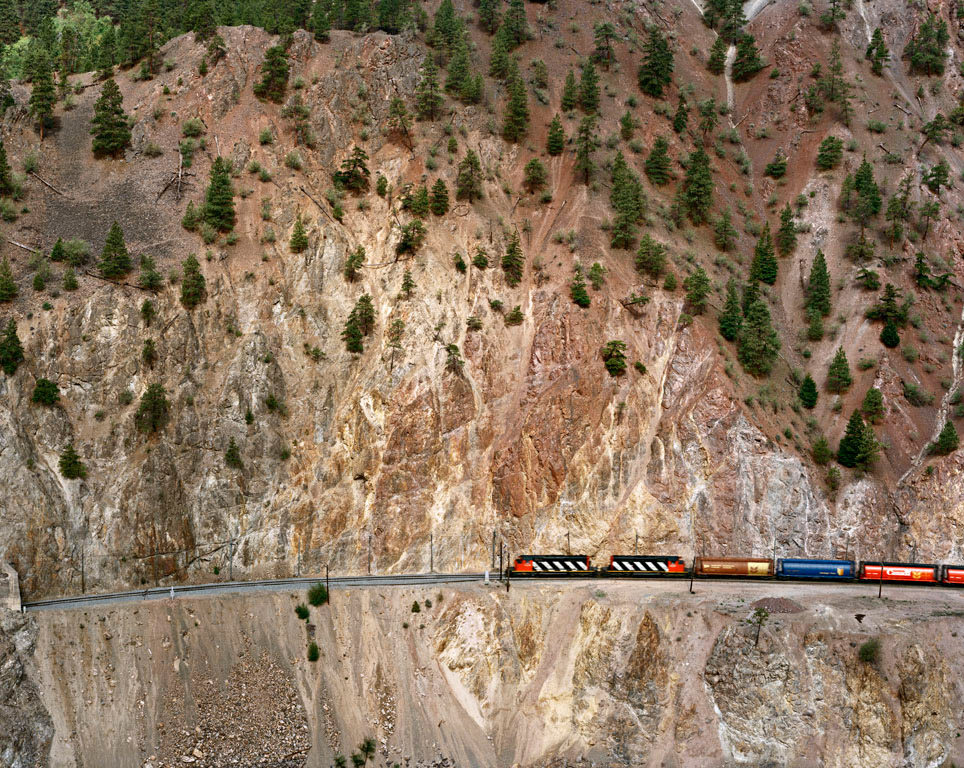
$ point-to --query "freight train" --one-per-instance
(793, 569)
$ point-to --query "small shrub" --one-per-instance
(317, 594)
(301, 611)
(313, 651)
(192, 128)
(416, 608)
(869, 652)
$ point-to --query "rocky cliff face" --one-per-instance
(397, 453)
(26, 731)
(619, 675)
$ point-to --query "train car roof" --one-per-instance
(904, 565)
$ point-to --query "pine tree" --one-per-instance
(8, 286)
(321, 21)
(658, 163)
(115, 261)
(408, 285)
(299, 239)
(577, 288)
(193, 285)
(818, 286)
(536, 175)
(9, 22)
(514, 23)
(724, 233)
(448, 28)
(821, 451)
(947, 441)
(834, 85)
(489, 16)
(764, 267)
(428, 94)
(787, 234)
(500, 61)
(219, 197)
(6, 175)
(682, 116)
(698, 187)
(352, 336)
(731, 318)
(838, 375)
(468, 180)
(459, 70)
(513, 262)
(697, 287)
(589, 89)
(889, 336)
(751, 292)
(516, 119)
(717, 60)
(603, 34)
(70, 279)
(877, 53)
(656, 71)
(808, 392)
(585, 144)
(850, 444)
(570, 93)
(149, 279)
(43, 96)
(650, 256)
(71, 467)
(758, 341)
(869, 201)
(873, 405)
(111, 131)
(274, 75)
(556, 138)
(153, 411)
(926, 49)
(829, 153)
(354, 174)
(365, 314)
(11, 350)
(439, 200)
(747, 62)
(627, 126)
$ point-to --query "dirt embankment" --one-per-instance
(615, 674)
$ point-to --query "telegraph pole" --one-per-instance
(431, 553)
(880, 582)
(369, 553)
(327, 585)
(231, 559)
(83, 582)
(636, 544)
(568, 548)
(493, 547)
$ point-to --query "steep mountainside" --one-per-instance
(478, 427)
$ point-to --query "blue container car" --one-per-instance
(828, 570)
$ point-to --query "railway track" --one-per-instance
(335, 582)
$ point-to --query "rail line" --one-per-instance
(335, 582)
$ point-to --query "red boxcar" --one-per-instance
(921, 573)
(953, 574)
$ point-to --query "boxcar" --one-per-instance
(920, 573)
(799, 568)
(645, 565)
(552, 565)
(953, 574)
(733, 566)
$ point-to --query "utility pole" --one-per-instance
(493, 547)
(431, 553)
(880, 582)
(327, 585)
(508, 572)
(298, 572)
(636, 544)
(83, 581)
(231, 559)
(369, 553)
(501, 550)
(568, 548)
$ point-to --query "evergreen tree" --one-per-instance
(838, 375)
(717, 60)
(650, 256)
(115, 261)
(459, 71)
(947, 441)
(9, 23)
(849, 451)
(219, 197)
(603, 34)
(570, 93)
(877, 53)
(149, 279)
(232, 456)
(585, 145)
(658, 163)
(500, 61)
(516, 119)
(724, 233)
(777, 168)
(627, 126)
(556, 138)
(428, 94)
(43, 96)
(111, 130)
(751, 292)
(821, 451)
(873, 405)
(514, 23)
(513, 262)
(818, 286)
(731, 318)
(57, 252)
(829, 153)
(787, 234)
(834, 85)
(589, 89)
(889, 336)
(70, 279)
(408, 285)
(764, 267)
(758, 341)
(656, 71)
(747, 61)
(536, 175)
(365, 314)
(808, 392)
(614, 357)
(448, 29)
(321, 21)
(577, 288)
(354, 174)
(354, 261)
(468, 180)
(698, 187)
(11, 350)
(709, 117)
(489, 16)
(927, 48)
(204, 23)
(8, 286)
(153, 411)
(352, 336)
(937, 177)
(697, 287)
(6, 175)
(299, 239)
(274, 75)
(193, 285)
(439, 201)
(71, 467)
(682, 116)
